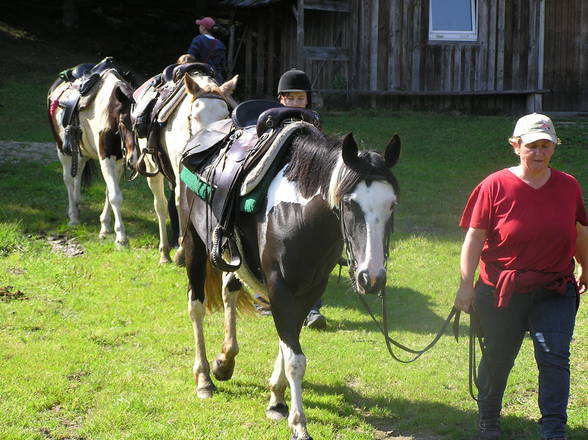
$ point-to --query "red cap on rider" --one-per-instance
(206, 22)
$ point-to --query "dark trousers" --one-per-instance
(550, 319)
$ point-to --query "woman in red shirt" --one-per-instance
(525, 225)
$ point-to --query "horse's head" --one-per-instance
(122, 102)
(367, 196)
(209, 101)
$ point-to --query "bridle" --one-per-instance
(207, 96)
(474, 333)
(352, 266)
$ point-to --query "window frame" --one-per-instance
(446, 35)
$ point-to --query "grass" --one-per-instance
(99, 346)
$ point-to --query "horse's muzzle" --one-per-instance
(373, 284)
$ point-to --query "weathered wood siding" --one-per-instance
(381, 48)
(566, 55)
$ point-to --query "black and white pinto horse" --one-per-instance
(106, 135)
(326, 194)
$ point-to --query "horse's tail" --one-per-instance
(89, 173)
(214, 295)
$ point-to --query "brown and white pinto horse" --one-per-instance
(325, 194)
(106, 135)
(205, 102)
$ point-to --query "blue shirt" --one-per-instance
(211, 51)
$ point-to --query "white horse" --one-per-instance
(202, 102)
(106, 135)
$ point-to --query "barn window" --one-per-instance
(453, 20)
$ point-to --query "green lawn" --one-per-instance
(99, 346)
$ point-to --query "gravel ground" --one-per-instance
(12, 152)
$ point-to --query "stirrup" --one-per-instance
(216, 253)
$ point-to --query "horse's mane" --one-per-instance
(315, 165)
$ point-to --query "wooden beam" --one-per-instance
(431, 93)
(326, 53)
(375, 17)
(328, 5)
(300, 34)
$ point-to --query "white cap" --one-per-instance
(534, 127)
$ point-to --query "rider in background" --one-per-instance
(208, 49)
(294, 90)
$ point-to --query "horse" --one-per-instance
(104, 133)
(325, 194)
(204, 102)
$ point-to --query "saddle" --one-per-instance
(156, 100)
(81, 80)
(222, 165)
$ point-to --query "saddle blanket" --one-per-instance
(251, 203)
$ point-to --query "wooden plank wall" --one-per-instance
(507, 44)
(566, 55)
(504, 59)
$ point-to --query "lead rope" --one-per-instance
(384, 327)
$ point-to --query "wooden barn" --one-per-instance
(480, 56)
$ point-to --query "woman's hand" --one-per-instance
(468, 262)
(464, 299)
(582, 257)
(582, 281)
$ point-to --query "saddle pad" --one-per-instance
(257, 173)
(174, 99)
(249, 204)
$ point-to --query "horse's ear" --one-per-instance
(191, 85)
(229, 87)
(349, 150)
(392, 152)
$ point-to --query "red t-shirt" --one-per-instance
(530, 232)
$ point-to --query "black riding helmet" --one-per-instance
(295, 80)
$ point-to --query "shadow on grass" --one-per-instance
(34, 195)
(421, 419)
(403, 305)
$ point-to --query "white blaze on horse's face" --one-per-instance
(205, 111)
(369, 237)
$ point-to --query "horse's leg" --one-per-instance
(196, 268)
(179, 257)
(73, 186)
(224, 363)
(160, 203)
(294, 369)
(289, 312)
(111, 171)
(277, 408)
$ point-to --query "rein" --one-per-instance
(382, 294)
(474, 333)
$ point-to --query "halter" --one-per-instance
(207, 96)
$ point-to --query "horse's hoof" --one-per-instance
(206, 392)
(74, 223)
(103, 235)
(277, 412)
(223, 370)
(306, 437)
(120, 245)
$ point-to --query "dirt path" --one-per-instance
(14, 151)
